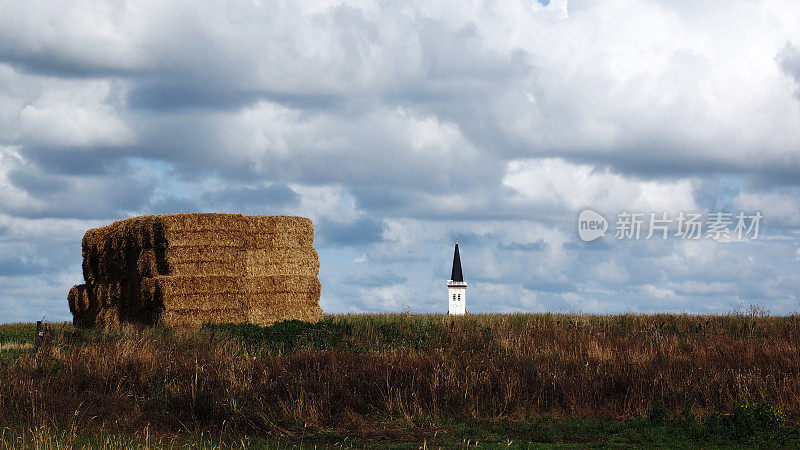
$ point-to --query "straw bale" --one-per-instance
(298, 267)
(205, 293)
(86, 297)
(111, 294)
(201, 221)
(78, 298)
(282, 261)
(211, 284)
(147, 263)
(108, 317)
(199, 268)
(88, 274)
(108, 264)
(204, 238)
(283, 283)
(279, 231)
(85, 319)
(130, 233)
(72, 298)
(220, 284)
(195, 261)
(193, 268)
(97, 318)
(186, 261)
(175, 254)
(289, 238)
(282, 299)
(297, 224)
(206, 302)
(113, 251)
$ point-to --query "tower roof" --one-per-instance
(456, 274)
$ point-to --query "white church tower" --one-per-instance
(457, 288)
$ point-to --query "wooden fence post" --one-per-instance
(37, 341)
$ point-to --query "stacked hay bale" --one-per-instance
(190, 269)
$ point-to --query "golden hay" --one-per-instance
(194, 268)
(301, 261)
(204, 230)
(191, 261)
(179, 246)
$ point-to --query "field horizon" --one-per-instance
(433, 379)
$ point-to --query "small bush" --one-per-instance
(748, 418)
(657, 414)
(287, 336)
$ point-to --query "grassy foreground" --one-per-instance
(409, 380)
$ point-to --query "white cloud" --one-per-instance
(657, 292)
(77, 114)
(777, 206)
(609, 272)
(557, 183)
(66, 34)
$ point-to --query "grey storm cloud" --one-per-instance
(52, 63)
(375, 279)
(14, 266)
(36, 183)
(172, 204)
(100, 194)
(789, 60)
(174, 94)
(392, 125)
(362, 231)
(243, 197)
(549, 286)
(71, 161)
(537, 246)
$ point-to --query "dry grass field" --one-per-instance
(371, 380)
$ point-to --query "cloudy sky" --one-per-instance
(394, 125)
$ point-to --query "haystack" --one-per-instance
(190, 269)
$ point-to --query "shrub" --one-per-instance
(748, 418)
(287, 336)
(657, 414)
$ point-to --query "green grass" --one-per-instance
(17, 332)
(17, 339)
(709, 432)
(14, 340)
(23, 333)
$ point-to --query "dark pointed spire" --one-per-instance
(456, 274)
